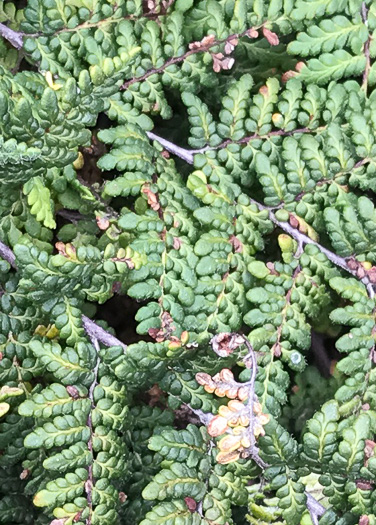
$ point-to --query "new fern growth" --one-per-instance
(211, 167)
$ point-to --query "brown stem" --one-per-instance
(188, 155)
(110, 212)
(276, 133)
(91, 25)
(321, 182)
(176, 60)
(16, 37)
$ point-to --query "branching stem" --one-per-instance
(205, 46)
(301, 238)
(16, 37)
(182, 153)
(315, 509)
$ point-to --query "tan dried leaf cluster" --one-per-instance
(291, 73)
(300, 224)
(236, 243)
(191, 504)
(233, 420)
(73, 391)
(60, 521)
(252, 33)
(166, 329)
(369, 450)
(222, 384)
(221, 62)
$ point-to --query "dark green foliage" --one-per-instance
(266, 226)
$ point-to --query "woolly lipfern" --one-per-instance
(211, 163)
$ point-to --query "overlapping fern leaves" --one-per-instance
(250, 211)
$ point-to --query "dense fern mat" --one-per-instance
(210, 166)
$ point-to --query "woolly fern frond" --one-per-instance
(200, 175)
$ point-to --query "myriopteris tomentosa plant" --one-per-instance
(211, 166)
